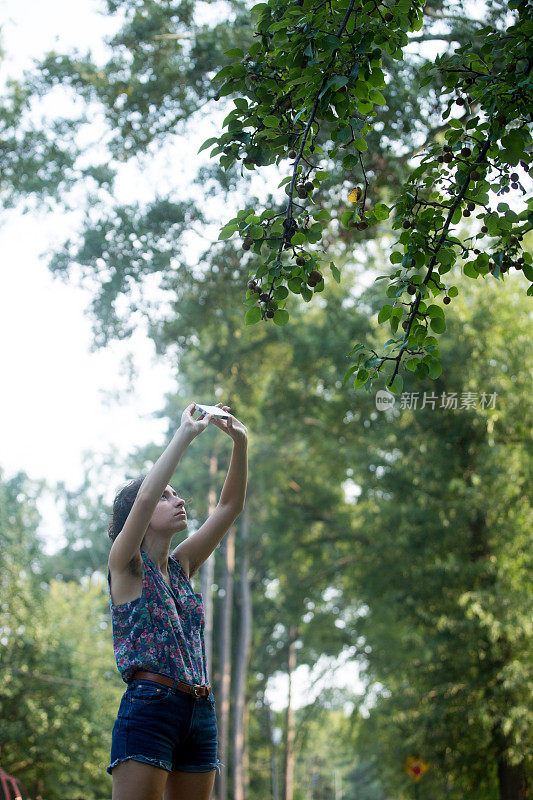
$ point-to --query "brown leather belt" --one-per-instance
(195, 689)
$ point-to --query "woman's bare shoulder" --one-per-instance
(126, 586)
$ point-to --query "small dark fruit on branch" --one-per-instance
(447, 300)
(411, 288)
(314, 277)
(300, 261)
(292, 153)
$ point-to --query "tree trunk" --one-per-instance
(208, 574)
(223, 693)
(288, 787)
(241, 666)
(245, 757)
(273, 756)
(512, 781)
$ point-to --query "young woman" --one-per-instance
(164, 741)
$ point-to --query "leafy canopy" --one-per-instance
(317, 64)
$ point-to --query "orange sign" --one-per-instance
(415, 768)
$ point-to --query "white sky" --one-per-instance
(56, 401)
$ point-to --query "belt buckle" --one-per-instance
(195, 687)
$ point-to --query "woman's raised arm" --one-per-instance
(127, 544)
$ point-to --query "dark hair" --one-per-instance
(122, 506)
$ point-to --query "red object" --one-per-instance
(11, 788)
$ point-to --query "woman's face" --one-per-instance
(169, 514)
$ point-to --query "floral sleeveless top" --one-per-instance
(161, 631)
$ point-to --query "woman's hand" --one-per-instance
(230, 425)
(191, 425)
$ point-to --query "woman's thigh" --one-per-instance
(135, 780)
(189, 785)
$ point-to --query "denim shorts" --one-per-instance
(166, 727)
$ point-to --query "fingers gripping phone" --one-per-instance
(214, 410)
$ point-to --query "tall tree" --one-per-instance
(243, 641)
(444, 587)
(325, 85)
(54, 696)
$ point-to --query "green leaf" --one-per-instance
(360, 145)
(384, 313)
(271, 122)
(235, 52)
(227, 231)
(348, 162)
(397, 385)
(470, 270)
(360, 378)
(438, 325)
(294, 285)
(381, 211)
(527, 269)
(361, 90)
(299, 238)
(350, 372)
(435, 369)
(252, 316)
(281, 317)
(323, 214)
(364, 108)
(377, 78)
(344, 134)
(346, 217)
(435, 311)
(377, 97)
(208, 143)
(280, 292)
(336, 272)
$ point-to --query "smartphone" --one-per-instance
(214, 410)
